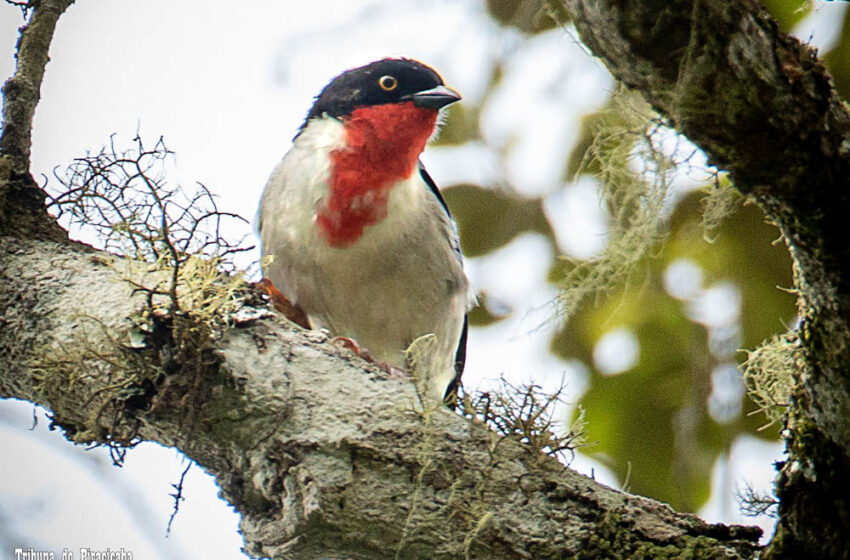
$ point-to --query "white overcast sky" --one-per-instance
(227, 83)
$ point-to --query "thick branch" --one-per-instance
(21, 201)
(762, 106)
(322, 455)
(22, 91)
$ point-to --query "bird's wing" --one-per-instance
(433, 186)
(460, 356)
(450, 398)
(454, 240)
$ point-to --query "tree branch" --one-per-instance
(322, 455)
(762, 106)
(21, 201)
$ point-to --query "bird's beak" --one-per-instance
(433, 98)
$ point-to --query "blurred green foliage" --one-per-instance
(489, 219)
(788, 13)
(838, 59)
(652, 423)
(463, 127)
(530, 16)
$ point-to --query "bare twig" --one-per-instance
(527, 414)
(178, 496)
(124, 197)
(754, 503)
(24, 6)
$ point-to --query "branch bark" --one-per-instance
(21, 201)
(763, 107)
(322, 455)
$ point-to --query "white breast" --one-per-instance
(399, 281)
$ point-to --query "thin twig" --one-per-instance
(178, 497)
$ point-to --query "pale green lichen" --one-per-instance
(634, 176)
(770, 372)
(174, 256)
(521, 414)
(107, 378)
(720, 201)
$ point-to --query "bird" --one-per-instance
(355, 234)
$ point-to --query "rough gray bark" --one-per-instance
(21, 201)
(322, 455)
(763, 107)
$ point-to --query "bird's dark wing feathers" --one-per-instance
(450, 397)
(455, 241)
(433, 186)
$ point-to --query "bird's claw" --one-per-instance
(392, 372)
(350, 344)
(282, 304)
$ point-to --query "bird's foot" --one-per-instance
(282, 304)
(350, 344)
(392, 372)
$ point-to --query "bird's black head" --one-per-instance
(380, 82)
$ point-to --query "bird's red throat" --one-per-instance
(382, 146)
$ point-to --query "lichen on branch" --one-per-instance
(169, 244)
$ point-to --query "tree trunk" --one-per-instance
(762, 106)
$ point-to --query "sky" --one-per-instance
(227, 84)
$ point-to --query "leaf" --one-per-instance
(529, 16)
(460, 127)
(788, 13)
(483, 315)
(488, 219)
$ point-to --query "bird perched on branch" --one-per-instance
(355, 233)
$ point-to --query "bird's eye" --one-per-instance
(388, 83)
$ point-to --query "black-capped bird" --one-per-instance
(355, 233)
